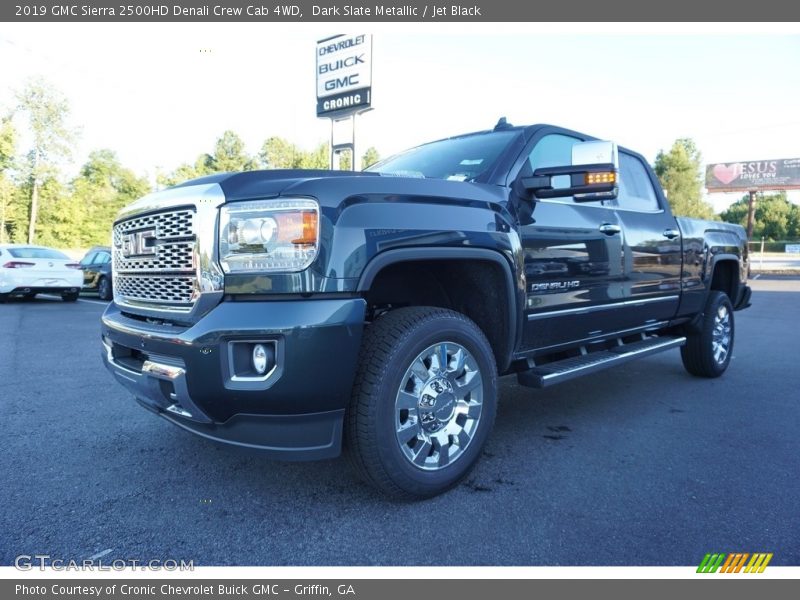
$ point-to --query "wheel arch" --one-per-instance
(502, 345)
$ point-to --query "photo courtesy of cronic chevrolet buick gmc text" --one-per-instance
(302, 312)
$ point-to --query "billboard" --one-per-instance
(344, 75)
(781, 174)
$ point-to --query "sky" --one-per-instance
(160, 94)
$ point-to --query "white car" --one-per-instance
(27, 270)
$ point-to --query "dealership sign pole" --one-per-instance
(344, 86)
(752, 177)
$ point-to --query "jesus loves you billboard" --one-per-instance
(763, 175)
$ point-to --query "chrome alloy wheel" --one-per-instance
(438, 406)
(721, 334)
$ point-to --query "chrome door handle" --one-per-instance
(671, 233)
(610, 229)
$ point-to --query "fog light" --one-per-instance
(259, 359)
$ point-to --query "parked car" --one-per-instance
(96, 267)
(27, 270)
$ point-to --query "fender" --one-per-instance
(390, 257)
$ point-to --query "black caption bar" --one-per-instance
(410, 11)
(390, 589)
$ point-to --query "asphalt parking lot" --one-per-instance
(639, 465)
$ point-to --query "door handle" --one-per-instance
(671, 233)
(610, 229)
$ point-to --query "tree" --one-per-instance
(279, 153)
(679, 172)
(46, 111)
(229, 155)
(775, 217)
(370, 157)
(7, 150)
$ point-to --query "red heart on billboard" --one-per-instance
(726, 174)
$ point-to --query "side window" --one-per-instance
(635, 189)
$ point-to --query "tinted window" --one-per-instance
(635, 189)
(37, 253)
(461, 159)
(102, 258)
(87, 260)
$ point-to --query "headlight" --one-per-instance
(268, 235)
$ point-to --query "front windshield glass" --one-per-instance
(459, 159)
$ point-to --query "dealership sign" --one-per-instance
(344, 75)
(782, 174)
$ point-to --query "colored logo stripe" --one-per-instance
(734, 561)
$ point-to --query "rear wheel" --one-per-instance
(3, 298)
(70, 296)
(423, 403)
(104, 289)
(707, 353)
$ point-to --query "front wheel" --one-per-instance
(707, 353)
(423, 403)
(70, 297)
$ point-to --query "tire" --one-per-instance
(3, 298)
(413, 430)
(104, 289)
(70, 297)
(708, 352)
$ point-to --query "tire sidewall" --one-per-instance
(717, 300)
(408, 476)
(104, 289)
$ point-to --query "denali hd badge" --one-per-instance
(555, 286)
(139, 243)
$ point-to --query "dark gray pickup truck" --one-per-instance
(297, 312)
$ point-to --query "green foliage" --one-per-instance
(101, 189)
(37, 202)
(679, 172)
(775, 217)
(371, 156)
(45, 111)
(229, 155)
(279, 153)
(8, 138)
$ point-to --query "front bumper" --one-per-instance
(185, 374)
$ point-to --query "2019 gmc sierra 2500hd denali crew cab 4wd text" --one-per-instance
(297, 312)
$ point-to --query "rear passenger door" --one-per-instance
(651, 246)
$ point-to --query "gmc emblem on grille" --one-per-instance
(139, 243)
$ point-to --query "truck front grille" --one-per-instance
(161, 290)
(154, 259)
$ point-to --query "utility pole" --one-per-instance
(751, 209)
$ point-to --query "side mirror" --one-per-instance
(593, 175)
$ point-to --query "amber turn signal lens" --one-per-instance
(604, 177)
(297, 227)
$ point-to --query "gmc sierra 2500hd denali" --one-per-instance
(299, 311)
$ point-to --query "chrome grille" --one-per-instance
(163, 273)
(168, 225)
(171, 290)
(174, 256)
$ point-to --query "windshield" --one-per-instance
(36, 253)
(459, 159)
